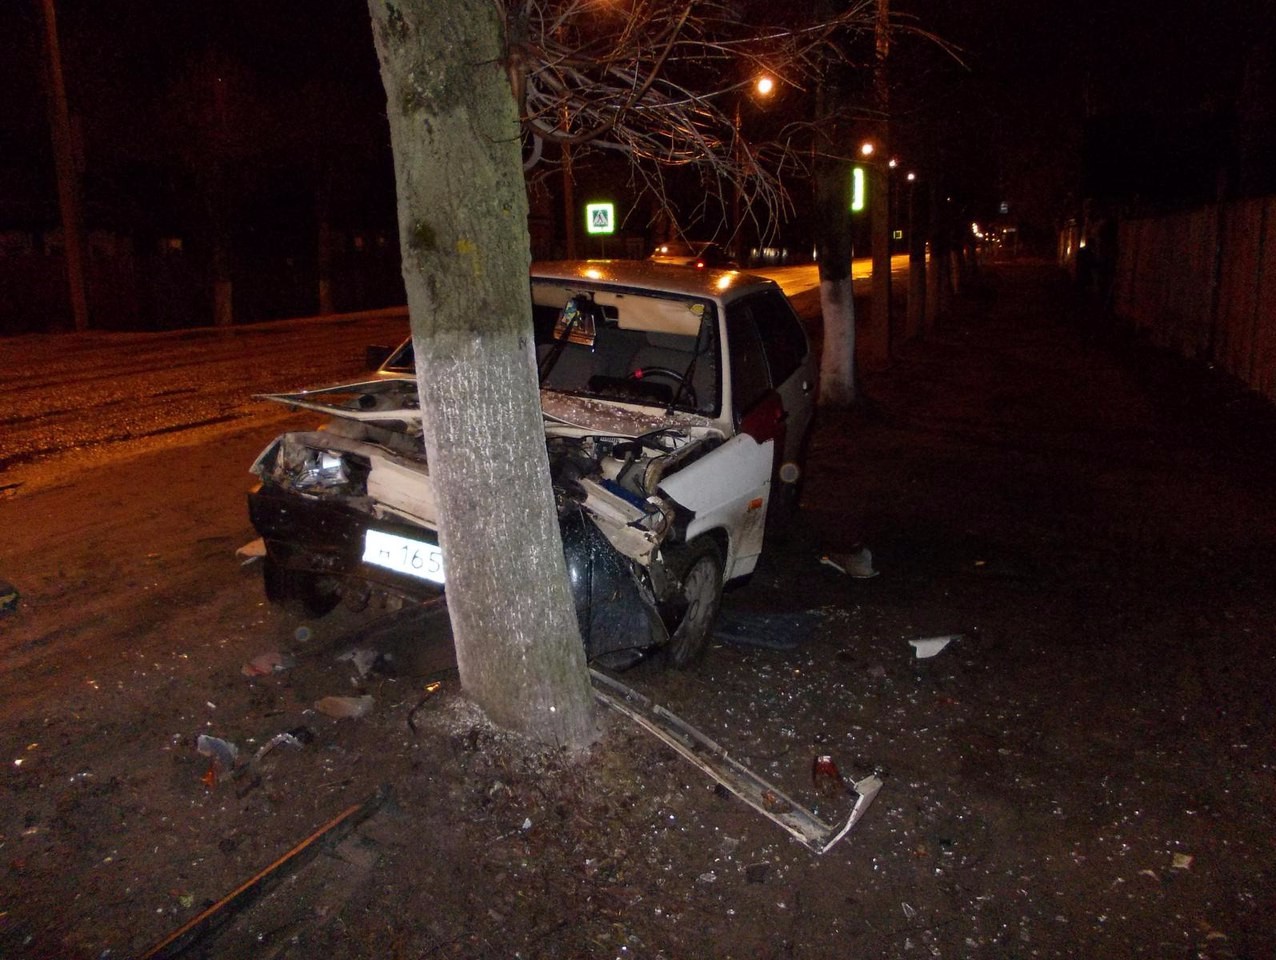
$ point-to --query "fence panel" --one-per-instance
(1263, 368)
(1204, 284)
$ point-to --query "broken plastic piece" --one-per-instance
(767, 799)
(345, 708)
(251, 551)
(1181, 861)
(278, 739)
(858, 563)
(927, 647)
(364, 660)
(265, 664)
(222, 752)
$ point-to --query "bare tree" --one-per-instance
(661, 84)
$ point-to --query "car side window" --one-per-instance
(749, 379)
(783, 338)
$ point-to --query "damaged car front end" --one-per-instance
(661, 480)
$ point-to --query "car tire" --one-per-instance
(699, 573)
(300, 591)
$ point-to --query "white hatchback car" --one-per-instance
(676, 404)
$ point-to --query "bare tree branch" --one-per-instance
(662, 85)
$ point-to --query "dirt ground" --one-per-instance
(1088, 770)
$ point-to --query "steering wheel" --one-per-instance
(642, 373)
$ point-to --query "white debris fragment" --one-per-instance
(251, 551)
(857, 563)
(1181, 861)
(928, 647)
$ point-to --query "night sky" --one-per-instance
(1055, 101)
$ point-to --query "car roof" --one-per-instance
(710, 283)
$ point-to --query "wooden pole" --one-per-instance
(67, 175)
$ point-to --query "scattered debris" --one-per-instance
(711, 758)
(222, 758)
(265, 664)
(431, 688)
(345, 708)
(1181, 861)
(222, 752)
(294, 738)
(330, 833)
(825, 776)
(365, 661)
(8, 597)
(928, 647)
(858, 563)
(251, 552)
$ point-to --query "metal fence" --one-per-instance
(1204, 284)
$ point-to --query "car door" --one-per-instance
(790, 365)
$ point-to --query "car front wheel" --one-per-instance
(700, 573)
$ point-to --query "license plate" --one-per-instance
(403, 555)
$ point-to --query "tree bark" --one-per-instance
(833, 254)
(462, 209)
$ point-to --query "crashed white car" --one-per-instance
(676, 405)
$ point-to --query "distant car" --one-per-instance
(701, 254)
(674, 401)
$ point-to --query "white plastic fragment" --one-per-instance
(1181, 861)
(362, 658)
(857, 563)
(279, 739)
(927, 647)
(223, 752)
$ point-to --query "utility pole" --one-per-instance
(68, 175)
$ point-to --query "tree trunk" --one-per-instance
(463, 229)
(833, 254)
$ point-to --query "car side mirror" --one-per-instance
(376, 354)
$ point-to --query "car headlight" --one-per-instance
(322, 468)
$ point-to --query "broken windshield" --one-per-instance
(641, 348)
(630, 346)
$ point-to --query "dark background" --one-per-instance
(266, 121)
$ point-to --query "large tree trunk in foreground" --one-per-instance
(463, 228)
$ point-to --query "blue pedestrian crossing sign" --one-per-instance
(600, 217)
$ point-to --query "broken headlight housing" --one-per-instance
(318, 471)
